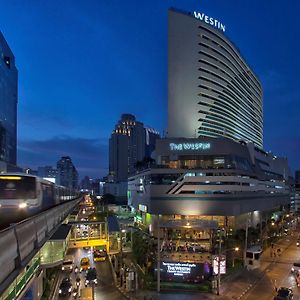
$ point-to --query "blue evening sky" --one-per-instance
(84, 63)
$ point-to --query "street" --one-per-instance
(278, 274)
(105, 288)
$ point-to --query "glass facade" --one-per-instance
(207, 162)
(8, 103)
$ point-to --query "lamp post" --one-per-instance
(246, 239)
(158, 253)
(219, 263)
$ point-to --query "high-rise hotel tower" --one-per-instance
(212, 164)
(212, 92)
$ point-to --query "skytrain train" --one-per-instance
(23, 195)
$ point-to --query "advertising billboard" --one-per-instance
(184, 271)
(222, 264)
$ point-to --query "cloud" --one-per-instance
(90, 156)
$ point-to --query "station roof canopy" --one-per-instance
(61, 233)
(193, 224)
(85, 222)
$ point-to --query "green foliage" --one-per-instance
(108, 199)
(142, 248)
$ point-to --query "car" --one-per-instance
(65, 287)
(284, 294)
(85, 264)
(91, 277)
(68, 263)
(295, 268)
(99, 255)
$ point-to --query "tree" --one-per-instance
(108, 199)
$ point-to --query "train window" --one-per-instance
(17, 187)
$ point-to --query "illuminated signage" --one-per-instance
(179, 269)
(189, 146)
(222, 264)
(209, 20)
(143, 207)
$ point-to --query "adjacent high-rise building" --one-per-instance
(86, 183)
(296, 200)
(212, 91)
(129, 144)
(67, 174)
(47, 172)
(8, 104)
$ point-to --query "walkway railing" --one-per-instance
(20, 242)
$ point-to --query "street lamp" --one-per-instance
(219, 263)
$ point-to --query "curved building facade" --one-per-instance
(210, 177)
(212, 92)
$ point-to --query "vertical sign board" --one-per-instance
(222, 264)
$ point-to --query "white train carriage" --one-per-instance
(30, 194)
(22, 191)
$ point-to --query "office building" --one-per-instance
(8, 104)
(86, 183)
(296, 198)
(129, 144)
(130, 147)
(47, 172)
(67, 174)
(212, 91)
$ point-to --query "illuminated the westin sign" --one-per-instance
(179, 269)
(189, 146)
(209, 20)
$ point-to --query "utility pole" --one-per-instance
(219, 265)
(246, 239)
(158, 254)
(261, 231)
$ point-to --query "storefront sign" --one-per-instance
(143, 207)
(209, 20)
(189, 146)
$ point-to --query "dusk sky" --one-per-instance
(83, 63)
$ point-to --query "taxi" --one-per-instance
(85, 264)
(99, 255)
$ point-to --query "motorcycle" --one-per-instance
(78, 282)
(75, 292)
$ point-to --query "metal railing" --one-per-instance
(20, 242)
